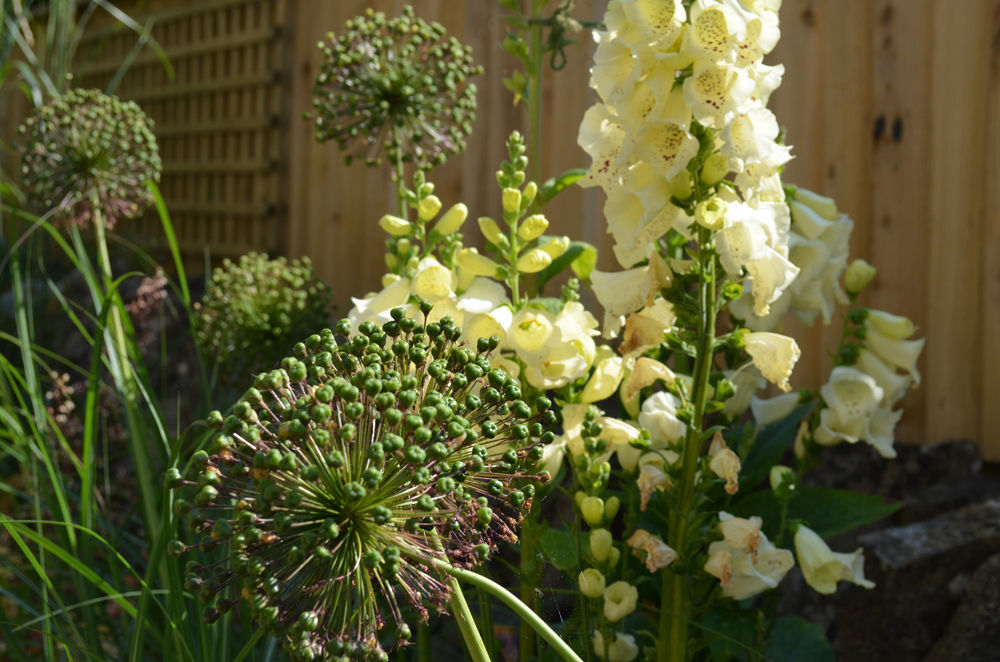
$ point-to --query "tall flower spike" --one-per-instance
(341, 478)
(86, 147)
(398, 86)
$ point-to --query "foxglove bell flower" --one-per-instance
(340, 479)
(398, 86)
(86, 148)
(823, 568)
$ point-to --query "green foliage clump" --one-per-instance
(396, 85)
(255, 309)
(88, 153)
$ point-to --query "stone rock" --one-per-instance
(915, 568)
(973, 634)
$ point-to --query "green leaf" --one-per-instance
(554, 185)
(730, 632)
(577, 250)
(518, 85)
(585, 262)
(549, 304)
(517, 47)
(824, 510)
(772, 442)
(828, 511)
(510, 5)
(559, 548)
(794, 639)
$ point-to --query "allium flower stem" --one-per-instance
(675, 607)
(400, 177)
(522, 610)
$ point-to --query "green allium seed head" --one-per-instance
(86, 148)
(255, 309)
(398, 86)
(360, 467)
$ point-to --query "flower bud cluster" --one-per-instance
(398, 86)
(255, 308)
(86, 148)
(340, 478)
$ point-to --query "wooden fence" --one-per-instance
(892, 106)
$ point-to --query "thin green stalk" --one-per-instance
(529, 580)
(463, 616)
(467, 623)
(423, 643)
(400, 175)
(522, 610)
(676, 602)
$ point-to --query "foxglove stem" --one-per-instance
(519, 608)
(676, 600)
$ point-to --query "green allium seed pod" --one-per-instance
(397, 86)
(86, 148)
(331, 535)
(254, 310)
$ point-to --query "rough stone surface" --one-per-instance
(973, 634)
(919, 570)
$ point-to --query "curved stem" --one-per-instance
(518, 607)
(467, 623)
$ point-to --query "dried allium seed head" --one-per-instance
(339, 479)
(398, 86)
(86, 147)
(254, 309)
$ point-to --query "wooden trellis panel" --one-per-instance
(220, 121)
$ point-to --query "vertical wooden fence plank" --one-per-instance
(960, 70)
(989, 365)
(898, 228)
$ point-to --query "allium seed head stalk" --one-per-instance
(340, 477)
(397, 86)
(86, 147)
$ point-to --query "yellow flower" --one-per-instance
(591, 583)
(609, 368)
(592, 508)
(746, 562)
(619, 601)
(452, 219)
(823, 568)
(659, 416)
(859, 273)
(621, 649)
(774, 355)
(769, 410)
(600, 544)
(724, 463)
(433, 281)
(395, 226)
(651, 549)
(429, 207)
(645, 372)
(480, 265)
(532, 227)
(646, 329)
